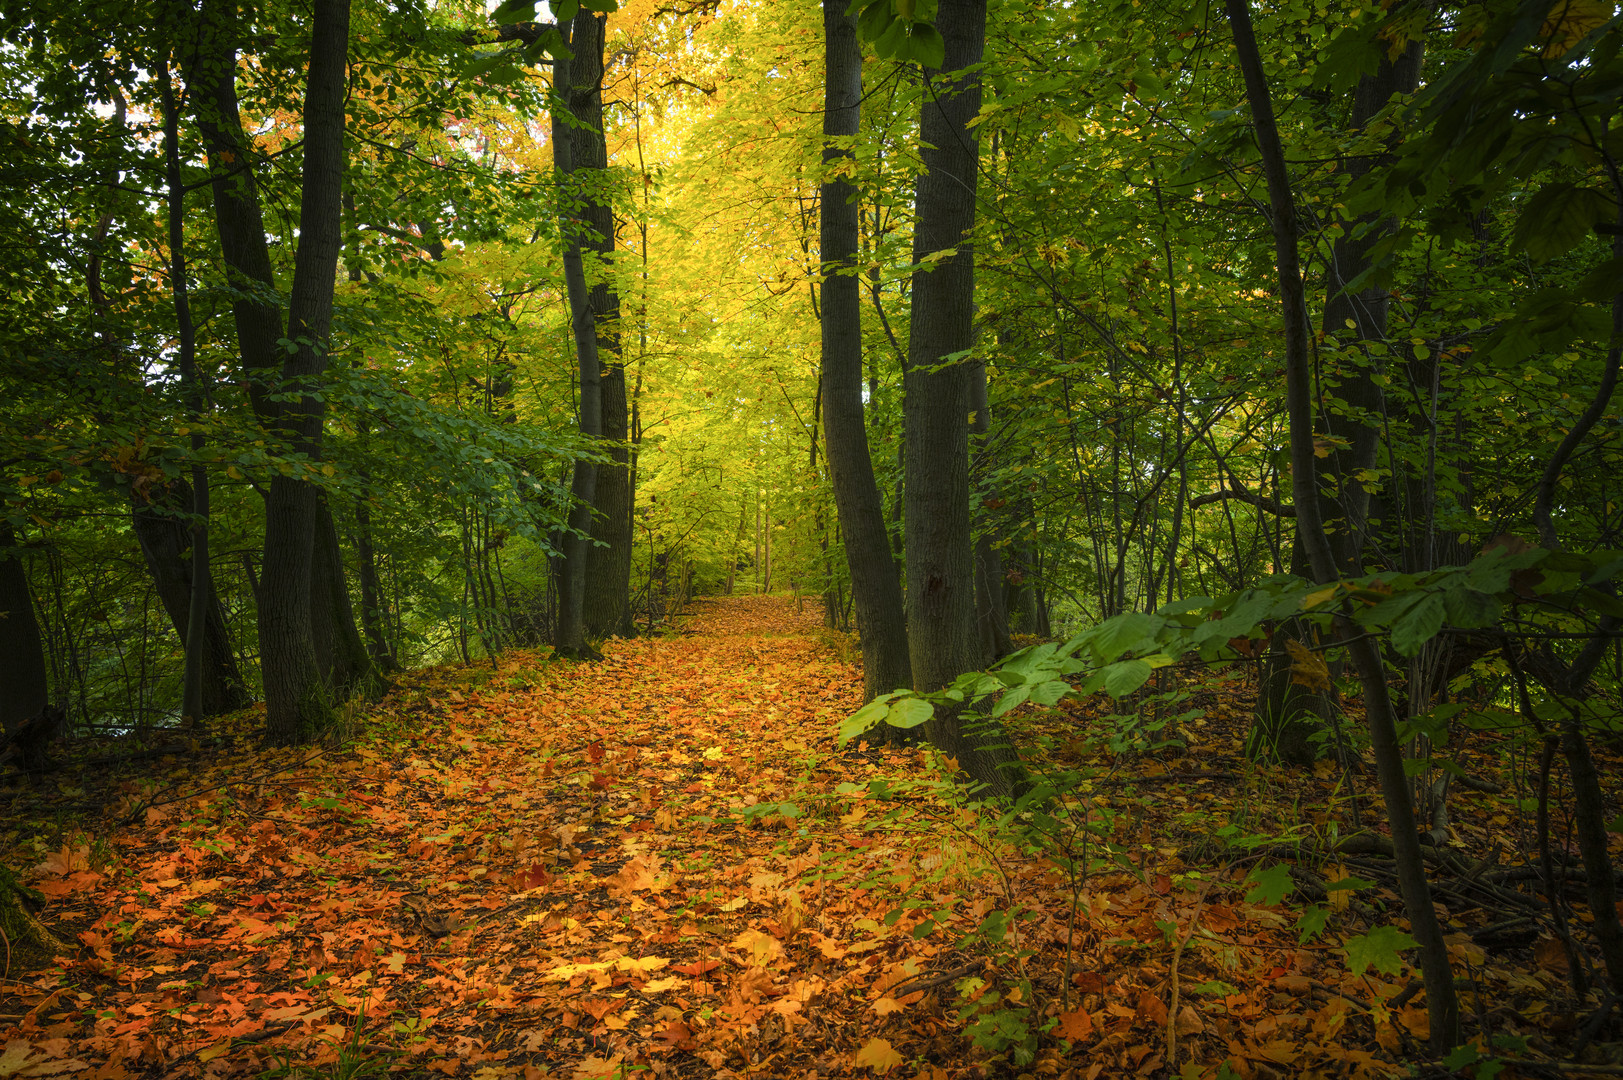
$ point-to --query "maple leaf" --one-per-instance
(1075, 1025)
(1378, 949)
(877, 1055)
(65, 861)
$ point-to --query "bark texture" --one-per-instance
(943, 642)
(876, 593)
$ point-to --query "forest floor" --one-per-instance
(662, 864)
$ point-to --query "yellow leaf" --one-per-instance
(879, 1056)
(1570, 21)
(762, 948)
(1317, 597)
(1308, 668)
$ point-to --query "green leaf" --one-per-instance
(925, 45)
(909, 712)
(514, 11)
(1557, 218)
(1418, 625)
(1469, 609)
(1122, 633)
(1125, 676)
(1049, 692)
(1270, 885)
(1348, 882)
(864, 718)
(1311, 922)
(1378, 949)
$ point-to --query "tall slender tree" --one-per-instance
(876, 593)
(1442, 1001)
(943, 641)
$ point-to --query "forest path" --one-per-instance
(660, 863)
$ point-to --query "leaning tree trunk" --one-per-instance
(941, 632)
(24, 683)
(1442, 1001)
(876, 592)
(166, 545)
(296, 699)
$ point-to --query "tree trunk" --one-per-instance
(165, 539)
(570, 638)
(341, 653)
(24, 684)
(608, 568)
(193, 707)
(876, 592)
(1442, 1001)
(296, 700)
(941, 632)
(991, 614)
(1291, 720)
(372, 615)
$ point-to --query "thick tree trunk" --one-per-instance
(1442, 1001)
(24, 683)
(607, 605)
(166, 545)
(942, 638)
(296, 699)
(876, 592)
(570, 637)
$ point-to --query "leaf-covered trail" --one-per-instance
(644, 863)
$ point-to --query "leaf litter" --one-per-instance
(661, 863)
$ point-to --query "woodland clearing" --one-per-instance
(649, 865)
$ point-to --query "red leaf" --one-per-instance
(697, 968)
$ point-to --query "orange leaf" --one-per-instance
(877, 1055)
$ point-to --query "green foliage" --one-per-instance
(1378, 949)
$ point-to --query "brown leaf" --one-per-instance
(1075, 1025)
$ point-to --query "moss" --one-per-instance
(30, 946)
